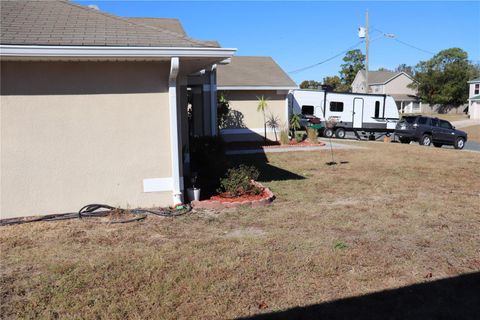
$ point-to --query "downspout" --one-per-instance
(213, 100)
(174, 131)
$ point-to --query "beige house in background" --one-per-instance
(394, 84)
(474, 99)
(93, 107)
(243, 81)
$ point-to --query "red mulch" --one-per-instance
(241, 145)
(243, 197)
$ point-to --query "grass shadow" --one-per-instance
(451, 298)
(268, 172)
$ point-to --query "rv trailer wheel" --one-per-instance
(340, 133)
(328, 133)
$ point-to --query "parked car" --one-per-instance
(427, 130)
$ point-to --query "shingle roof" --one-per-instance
(169, 24)
(403, 97)
(66, 24)
(475, 97)
(246, 71)
(474, 80)
(379, 76)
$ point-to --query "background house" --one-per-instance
(394, 84)
(243, 81)
(94, 107)
(474, 99)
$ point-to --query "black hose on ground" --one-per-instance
(101, 210)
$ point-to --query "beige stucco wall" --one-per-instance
(243, 106)
(399, 86)
(74, 133)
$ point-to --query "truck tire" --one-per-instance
(340, 133)
(426, 140)
(459, 143)
(328, 133)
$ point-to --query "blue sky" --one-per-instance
(299, 34)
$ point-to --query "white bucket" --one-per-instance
(193, 194)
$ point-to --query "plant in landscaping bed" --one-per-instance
(284, 139)
(238, 181)
(262, 106)
(273, 122)
(312, 135)
(295, 123)
(299, 136)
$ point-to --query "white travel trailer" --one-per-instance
(365, 113)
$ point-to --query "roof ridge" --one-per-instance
(131, 22)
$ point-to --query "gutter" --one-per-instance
(112, 52)
(174, 131)
(255, 88)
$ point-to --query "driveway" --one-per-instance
(469, 145)
(465, 123)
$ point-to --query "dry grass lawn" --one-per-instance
(394, 215)
(473, 133)
(447, 116)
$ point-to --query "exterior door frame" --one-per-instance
(357, 114)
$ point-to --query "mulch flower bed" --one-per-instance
(223, 201)
(247, 145)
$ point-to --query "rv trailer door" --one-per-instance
(357, 112)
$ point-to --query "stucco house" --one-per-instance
(242, 82)
(94, 107)
(391, 83)
(474, 99)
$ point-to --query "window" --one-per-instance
(422, 120)
(336, 106)
(307, 110)
(377, 109)
(477, 88)
(445, 124)
(409, 120)
(435, 122)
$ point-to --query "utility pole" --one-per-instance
(366, 52)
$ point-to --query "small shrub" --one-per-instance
(312, 135)
(238, 180)
(299, 137)
(340, 245)
(284, 136)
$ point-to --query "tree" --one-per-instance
(295, 123)
(310, 84)
(384, 69)
(273, 123)
(262, 106)
(404, 68)
(443, 79)
(336, 84)
(354, 62)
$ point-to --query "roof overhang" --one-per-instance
(20, 52)
(219, 87)
(474, 81)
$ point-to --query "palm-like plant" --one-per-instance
(262, 106)
(273, 122)
(295, 123)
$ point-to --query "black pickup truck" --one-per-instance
(426, 131)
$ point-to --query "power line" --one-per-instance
(326, 60)
(406, 43)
